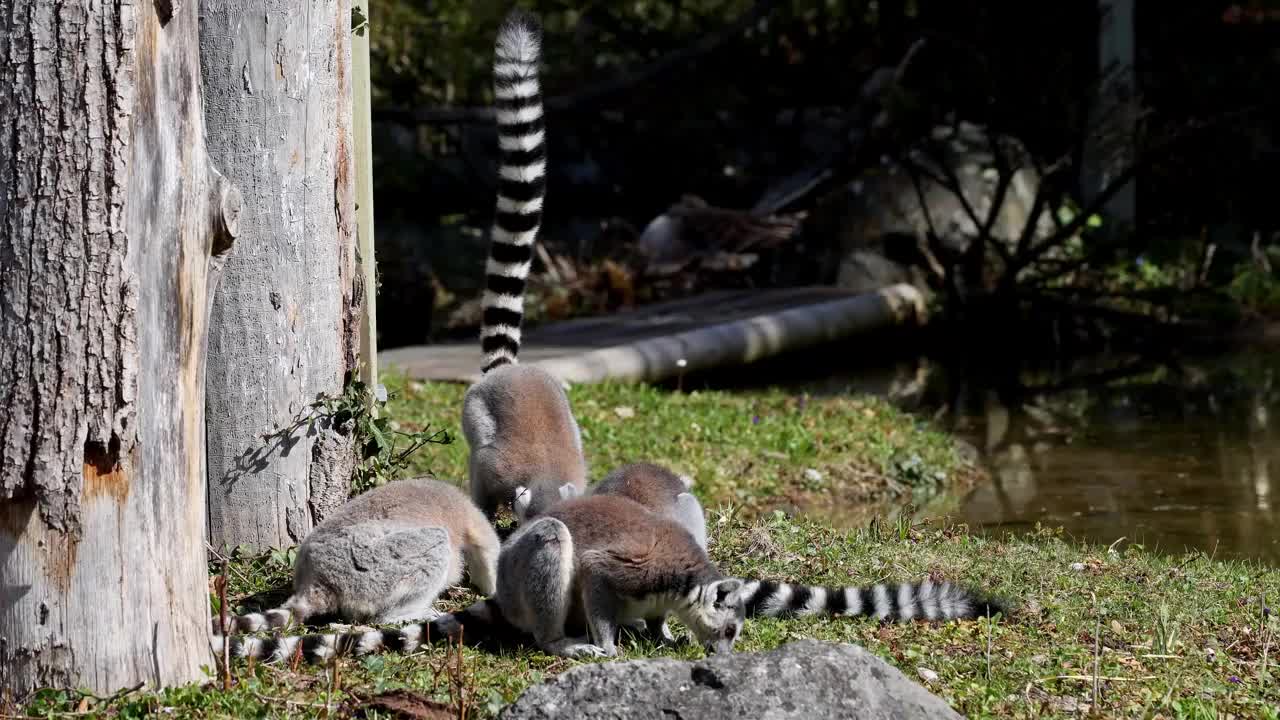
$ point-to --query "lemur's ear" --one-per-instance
(520, 506)
(726, 588)
(569, 490)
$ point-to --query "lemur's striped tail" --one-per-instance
(478, 620)
(253, 622)
(903, 601)
(521, 186)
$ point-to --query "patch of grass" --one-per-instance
(754, 449)
(1173, 637)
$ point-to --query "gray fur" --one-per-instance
(385, 556)
(522, 434)
(688, 512)
(660, 491)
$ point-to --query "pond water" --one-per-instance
(1174, 454)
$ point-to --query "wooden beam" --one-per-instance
(360, 112)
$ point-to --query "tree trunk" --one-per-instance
(111, 225)
(285, 325)
(1110, 149)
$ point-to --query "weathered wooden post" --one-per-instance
(286, 324)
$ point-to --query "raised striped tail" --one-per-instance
(521, 186)
(253, 622)
(887, 602)
(478, 621)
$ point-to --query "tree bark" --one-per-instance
(286, 322)
(111, 225)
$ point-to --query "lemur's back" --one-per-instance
(653, 486)
(420, 502)
(626, 529)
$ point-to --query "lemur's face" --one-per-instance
(717, 620)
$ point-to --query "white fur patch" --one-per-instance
(325, 650)
(522, 89)
(412, 635)
(928, 596)
(495, 330)
(369, 642)
(524, 173)
(523, 115)
(249, 647)
(521, 503)
(817, 602)
(852, 602)
(526, 141)
(506, 302)
(777, 602)
(524, 207)
(953, 601)
(504, 353)
(279, 617)
(515, 270)
(252, 622)
(881, 595)
(514, 68)
(906, 602)
(524, 237)
(287, 648)
(516, 44)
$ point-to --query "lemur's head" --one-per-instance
(715, 614)
(529, 503)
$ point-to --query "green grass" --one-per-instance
(1174, 637)
(750, 449)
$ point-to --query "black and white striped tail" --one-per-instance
(888, 602)
(254, 622)
(320, 648)
(521, 186)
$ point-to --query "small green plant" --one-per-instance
(1164, 640)
(1255, 288)
(913, 471)
(385, 449)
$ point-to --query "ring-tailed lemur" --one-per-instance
(663, 492)
(526, 448)
(384, 557)
(592, 564)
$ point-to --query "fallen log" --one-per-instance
(742, 341)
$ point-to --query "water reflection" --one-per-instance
(1175, 456)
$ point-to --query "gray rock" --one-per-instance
(804, 679)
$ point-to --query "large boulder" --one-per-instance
(804, 679)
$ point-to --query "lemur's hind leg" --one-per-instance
(481, 556)
(404, 572)
(600, 605)
(536, 572)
